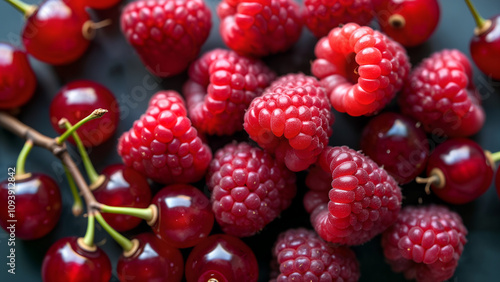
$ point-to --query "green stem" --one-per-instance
(125, 243)
(146, 214)
(77, 201)
(21, 159)
(89, 235)
(480, 21)
(495, 157)
(95, 114)
(21, 6)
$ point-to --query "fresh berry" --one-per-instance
(163, 145)
(497, 182)
(249, 188)
(292, 119)
(409, 22)
(94, 4)
(397, 143)
(364, 199)
(303, 256)
(17, 79)
(322, 16)
(166, 34)
(319, 183)
(221, 257)
(259, 28)
(425, 243)
(440, 94)
(360, 68)
(222, 85)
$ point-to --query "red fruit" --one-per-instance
(360, 68)
(322, 16)
(249, 188)
(94, 4)
(259, 28)
(66, 261)
(303, 256)
(166, 34)
(497, 182)
(163, 145)
(409, 22)
(425, 243)
(17, 79)
(222, 258)
(440, 94)
(78, 99)
(292, 120)
(221, 86)
(363, 202)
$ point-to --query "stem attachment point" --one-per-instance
(135, 246)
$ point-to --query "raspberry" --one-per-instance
(259, 27)
(166, 34)
(425, 243)
(440, 94)
(292, 119)
(322, 16)
(163, 145)
(221, 86)
(358, 54)
(249, 188)
(364, 199)
(303, 256)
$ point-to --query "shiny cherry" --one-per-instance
(153, 260)
(17, 79)
(67, 260)
(459, 171)
(222, 258)
(409, 22)
(497, 182)
(185, 216)
(123, 187)
(94, 4)
(397, 143)
(36, 206)
(78, 99)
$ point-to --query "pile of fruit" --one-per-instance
(225, 163)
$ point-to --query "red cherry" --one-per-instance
(123, 187)
(67, 261)
(409, 22)
(497, 182)
(152, 261)
(223, 258)
(17, 79)
(185, 216)
(78, 99)
(36, 207)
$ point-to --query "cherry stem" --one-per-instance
(125, 243)
(95, 114)
(21, 159)
(495, 157)
(77, 207)
(88, 240)
(24, 8)
(480, 21)
(147, 214)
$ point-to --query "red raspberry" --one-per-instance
(249, 188)
(259, 27)
(167, 34)
(361, 68)
(322, 16)
(163, 145)
(440, 94)
(364, 199)
(425, 243)
(292, 119)
(221, 86)
(303, 256)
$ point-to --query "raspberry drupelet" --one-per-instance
(163, 145)
(249, 188)
(292, 120)
(361, 69)
(425, 243)
(221, 86)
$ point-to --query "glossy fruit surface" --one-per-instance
(78, 99)
(223, 258)
(185, 216)
(17, 79)
(497, 182)
(36, 205)
(485, 47)
(66, 261)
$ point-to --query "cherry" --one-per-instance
(17, 79)
(221, 258)
(497, 182)
(459, 171)
(69, 260)
(77, 100)
(398, 143)
(485, 44)
(96, 4)
(409, 22)
(152, 260)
